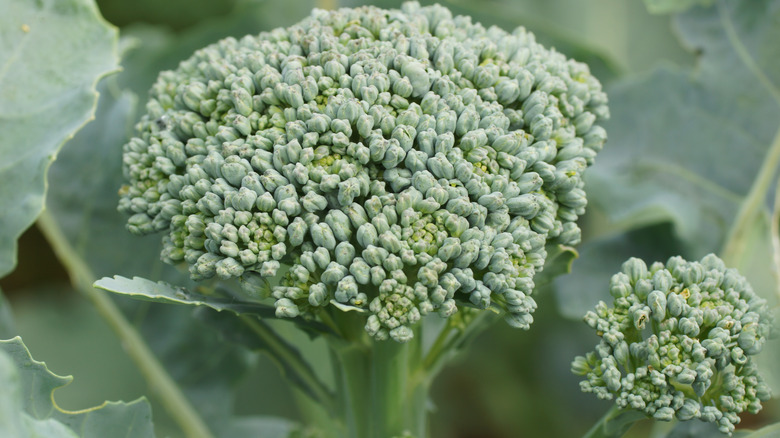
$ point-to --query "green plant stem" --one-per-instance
(447, 343)
(615, 423)
(380, 395)
(282, 353)
(164, 386)
(734, 247)
(437, 349)
(661, 429)
(774, 227)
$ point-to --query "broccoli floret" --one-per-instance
(391, 162)
(678, 342)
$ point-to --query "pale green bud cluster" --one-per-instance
(389, 162)
(678, 342)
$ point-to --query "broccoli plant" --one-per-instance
(361, 193)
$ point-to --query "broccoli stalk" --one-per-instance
(362, 171)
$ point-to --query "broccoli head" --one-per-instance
(395, 163)
(678, 342)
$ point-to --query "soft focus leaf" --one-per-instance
(600, 259)
(257, 335)
(770, 431)
(558, 262)
(696, 429)
(52, 54)
(174, 13)
(673, 6)
(685, 147)
(27, 406)
(154, 49)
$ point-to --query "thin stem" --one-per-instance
(165, 387)
(734, 248)
(445, 343)
(775, 232)
(284, 354)
(615, 423)
(328, 321)
(437, 349)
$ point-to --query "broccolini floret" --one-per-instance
(678, 342)
(396, 163)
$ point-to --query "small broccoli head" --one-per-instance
(677, 342)
(391, 162)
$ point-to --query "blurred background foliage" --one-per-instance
(512, 383)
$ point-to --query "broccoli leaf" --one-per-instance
(174, 13)
(673, 6)
(600, 259)
(257, 335)
(703, 138)
(559, 261)
(52, 54)
(27, 405)
(696, 429)
(764, 432)
(161, 292)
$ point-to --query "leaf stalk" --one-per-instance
(82, 278)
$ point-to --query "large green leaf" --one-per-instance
(686, 147)
(293, 358)
(27, 407)
(161, 292)
(673, 6)
(52, 53)
(174, 13)
(692, 149)
(773, 430)
(559, 261)
(588, 283)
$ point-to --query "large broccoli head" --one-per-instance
(392, 162)
(678, 342)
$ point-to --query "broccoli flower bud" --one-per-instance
(678, 341)
(391, 162)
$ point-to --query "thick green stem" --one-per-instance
(164, 386)
(734, 247)
(774, 228)
(615, 423)
(381, 394)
